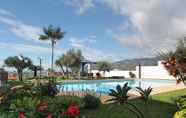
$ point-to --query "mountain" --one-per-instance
(130, 64)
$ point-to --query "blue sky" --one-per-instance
(104, 30)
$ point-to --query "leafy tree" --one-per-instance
(62, 62)
(19, 63)
(53, 34)
(71, 60)
(175, 61)
(104, 66)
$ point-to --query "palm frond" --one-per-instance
(43, 37)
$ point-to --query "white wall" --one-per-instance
(114, 73)
(154, 72)
(147, 72)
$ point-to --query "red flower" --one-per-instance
(50, 115)
(73, 111)
(21, 115)
(42, 106)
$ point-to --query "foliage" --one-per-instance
(120, 95)
(19, 63)
(71, 60)
(175, 61)
(46, 89)
(26, 105)
(145, 93)
(91, 102)
(132, 75)
(53, 34)
(181, 102)
(180, 114)
(104, 66)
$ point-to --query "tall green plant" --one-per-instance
(145, 96)
(52, 34)
(120, 96)
(145, 93)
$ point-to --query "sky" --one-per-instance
(105, 30)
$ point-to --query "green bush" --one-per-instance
(181, 102)
(91, 102)
(180, 114)
(47, 89)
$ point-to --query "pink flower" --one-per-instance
(21, 115)
(73, 111)
(49, 115)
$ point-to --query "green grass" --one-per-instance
(161, 106)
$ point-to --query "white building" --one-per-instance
(147, 72)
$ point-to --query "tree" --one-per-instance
(104, 66)
(53, 34)
(71, 60)
(175, 61)
(62, 62)
(19, 63)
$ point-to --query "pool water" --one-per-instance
(104, 86)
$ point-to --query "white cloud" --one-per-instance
(19, 28)
(157, 23)
(81, 5)
(6, 13)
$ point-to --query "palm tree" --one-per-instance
(53, 34)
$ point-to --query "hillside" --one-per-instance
(130, 64)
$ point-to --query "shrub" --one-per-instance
(132, 75)
(47, 89)
(145, 93)
(180, 114)
(91, 102)
(181, 104)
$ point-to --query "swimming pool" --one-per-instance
(104, 86)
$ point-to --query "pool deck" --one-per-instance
(133, 93)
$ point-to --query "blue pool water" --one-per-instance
(104, 86)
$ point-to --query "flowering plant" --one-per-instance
(175, 68)
(21, 115)
(73, 111)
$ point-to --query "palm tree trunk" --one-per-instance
(52, 61)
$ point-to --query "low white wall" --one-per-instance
(147, 72)
(113, 73)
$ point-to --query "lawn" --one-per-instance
(161, 106)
